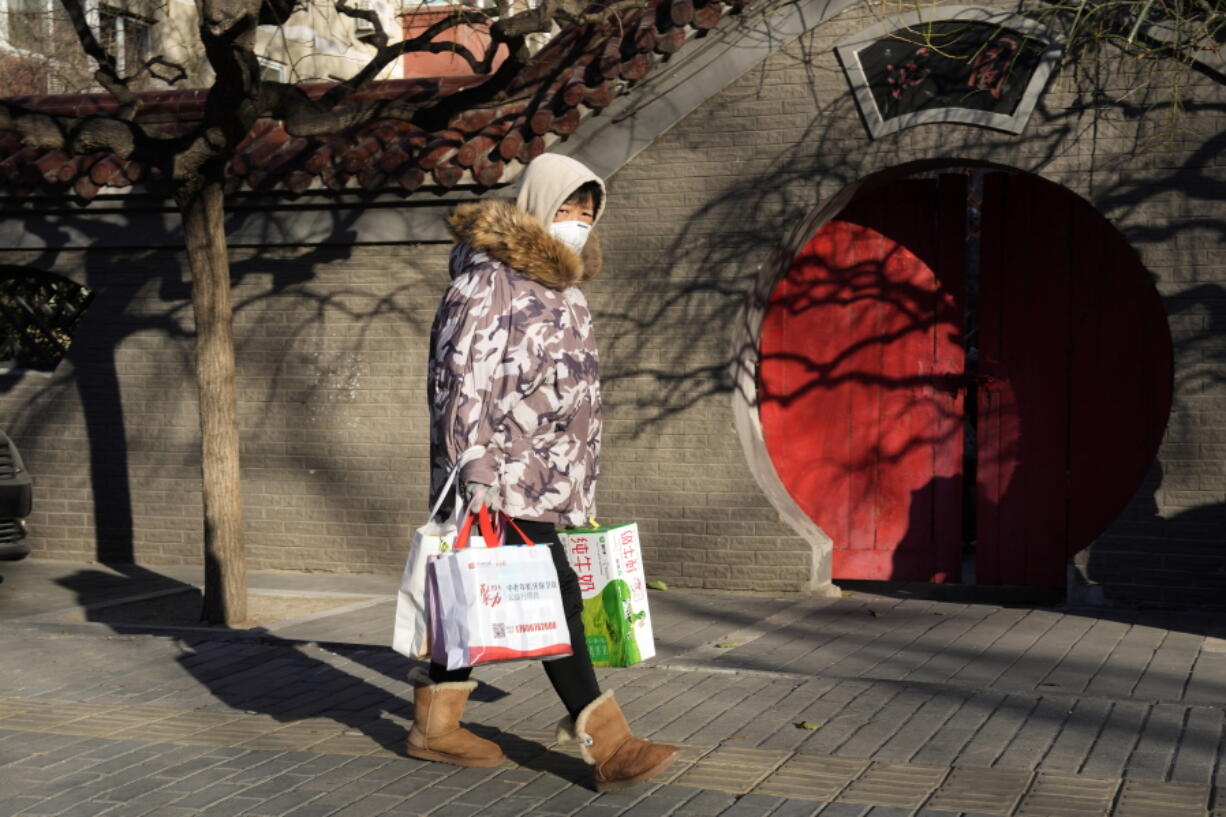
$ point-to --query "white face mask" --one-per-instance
(571, 233)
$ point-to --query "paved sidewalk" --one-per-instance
(878, 704)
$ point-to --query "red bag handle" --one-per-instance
(487, 529)
(483, 522)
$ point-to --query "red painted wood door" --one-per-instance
(861, 351)
(1075, 365)
(863, 374)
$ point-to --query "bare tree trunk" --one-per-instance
(225, 565)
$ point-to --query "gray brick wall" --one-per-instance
(331, 365)
(332, 344)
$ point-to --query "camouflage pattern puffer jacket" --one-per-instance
(514, 378)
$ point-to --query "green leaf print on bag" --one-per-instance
(608, 622)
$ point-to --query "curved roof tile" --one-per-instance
(580, 71)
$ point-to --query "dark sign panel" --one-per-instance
(950, 65)
(977, 67)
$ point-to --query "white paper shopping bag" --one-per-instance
(410, 636)
(495, 604)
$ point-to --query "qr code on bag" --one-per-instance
(500, 630)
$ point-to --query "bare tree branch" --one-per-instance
(385, 54)
(107, 74)
(180, 71)
(370, 16)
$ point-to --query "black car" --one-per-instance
(16, 498)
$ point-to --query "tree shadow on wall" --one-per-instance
(143, 301)
(1173, 559)
(704, 270)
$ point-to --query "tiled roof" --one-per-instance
(581, 70)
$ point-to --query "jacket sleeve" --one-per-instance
(483, 371)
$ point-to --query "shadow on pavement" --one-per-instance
(253, 671)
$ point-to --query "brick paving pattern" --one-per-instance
(864, 706)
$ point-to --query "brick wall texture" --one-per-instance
(331, 345)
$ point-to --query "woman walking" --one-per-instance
(514, 392)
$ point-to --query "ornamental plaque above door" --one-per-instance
(949, 64)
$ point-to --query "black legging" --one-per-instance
(573, 678)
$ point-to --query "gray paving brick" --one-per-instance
(67, 782)
(1197, 753)
(79, 810)
(488, 791)
(1167, 674)
(511, 807)
(1077, 736)
(837, 729)
(263, 769)
(274, 786)
(752, 805)
(778, 718)
(997, 732)
(1049, 651)
(885, 724)
(208, 795)
(797, 808)
(204, 777)
(148, 803)
(625, 798)
(843, 810)
(974, 709)
(543, 787)
(370, 805)
(1037, 734)
(1208, 682)
(457, 809)
(663, 801)
(129, 791)
(69, 751)
(692, 715)
(969, 648)
(927, 721)
(598, 810)
(407, 785)
(1155, 750)
(950, 623)
(466, 778)
(287, 803)
(336, 776)
(1013, 642)
(1116, 741)
(47, 803)
(706, 803)
(896, 633)
(731, 723)
(428, 799)
(230, 807)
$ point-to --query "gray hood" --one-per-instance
(549, 180)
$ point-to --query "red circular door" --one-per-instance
(864, 372)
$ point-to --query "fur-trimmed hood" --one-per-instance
(518, 239)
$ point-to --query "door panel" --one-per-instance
(861, 348)
(1081, 354)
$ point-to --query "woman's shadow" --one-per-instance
(364, 689)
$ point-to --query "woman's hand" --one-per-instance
(478, 494)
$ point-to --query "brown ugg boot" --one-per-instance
(437, 734)
(620, 758)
